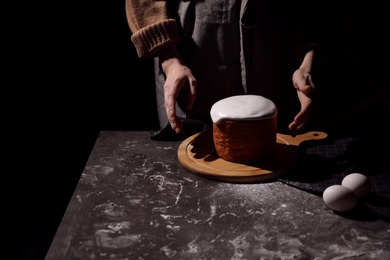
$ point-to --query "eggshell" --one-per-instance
(339, 198)
(357, 183)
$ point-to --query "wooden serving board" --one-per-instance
(197, 154)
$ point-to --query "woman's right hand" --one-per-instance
(179, 78)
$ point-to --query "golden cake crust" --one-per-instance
(245, 141)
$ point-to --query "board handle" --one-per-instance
(298, 139)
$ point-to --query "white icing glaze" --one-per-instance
(243, 107)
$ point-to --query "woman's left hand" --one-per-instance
(304, 85)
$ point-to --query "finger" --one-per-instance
(300, 122)
(173, 120)
(190, 99)
(178, 126)
(293, 129)
(296, 128)
(170, 108)
(293, 125)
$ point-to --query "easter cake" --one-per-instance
(244, 128)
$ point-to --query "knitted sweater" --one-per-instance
(151, 25)
(154, 28)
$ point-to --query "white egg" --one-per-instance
(339, 198)
(357, 183)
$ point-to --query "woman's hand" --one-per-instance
(304, 84)
(179, 78)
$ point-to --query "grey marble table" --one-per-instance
(134, 200)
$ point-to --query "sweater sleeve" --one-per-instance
(151, 25)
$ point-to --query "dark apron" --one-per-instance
(233, 47)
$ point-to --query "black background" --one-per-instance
(74, 72)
